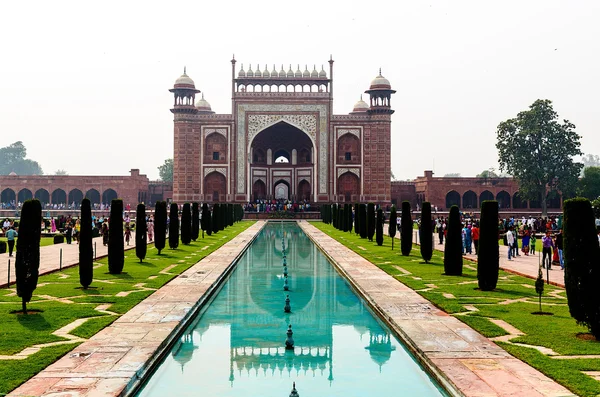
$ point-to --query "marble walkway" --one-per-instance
(462, 359)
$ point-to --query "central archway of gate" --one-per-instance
(281, 164)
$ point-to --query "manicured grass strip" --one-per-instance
(513, 302)
(61, 301)
(44, 241)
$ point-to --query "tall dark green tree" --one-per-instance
(453, 259)
(589, 184)
(538, 151)
(371, 220)
(426, 231)
(160, 225)
(379, 227)
(356, 219)
(406, 230)
(195, 221)
(223, 214)
(205, 223)
(392, 226)
(116, 253)
(209, 222)
(12, 159)
(350, 217)
(28, 250)
(165, 171)
(362, 209)
(141, 230)
(230, 214)
(341, 218)
(186, 224)
(334, 215)
(488, 259)
(174, 226)
(86, 253)
(216, 218)
(581, 253)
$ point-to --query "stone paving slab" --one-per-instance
(461, 358)
(115, 357)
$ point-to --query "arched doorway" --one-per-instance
(259, 190)
(93, 195)
(304, 190)
(486, 195)
(348, 186)
(43, 196)
(109, 195)
(59, 197)
(348, 149)
(281, 190)
(8, 196)
(282, 156)
(215, 149)
(469, 199)
(452, 198)
(75, 197)
(518, 202)
(25, 194)
(215, 187)
(503, 199)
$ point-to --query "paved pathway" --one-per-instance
(463, 359)
(50, 258)
(523, 265)
(118, 356)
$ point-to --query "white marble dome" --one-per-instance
(184, 79)
(380, 82)
(202, 104)
(360, 106)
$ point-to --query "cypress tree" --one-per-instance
(141, 230)
(174, 226)
(581, 253)
(215, 218)
(195, 221)
(205, 220)
(341, 219)
(350, 218)
(86, 253)
(186, 224)
(28, 250)
(334, 214)
(223, 214)
(488, 258)
(160, 225)
(116, 254)
(406, 230)
(362, 209)
(426, 232)
(356, 219)
(209, 226)
(392, 226)
(230, 212)
(371, 221)
(453, 260)
(379, 227)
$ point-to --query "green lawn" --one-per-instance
(557, 332)
(44, 241)
(20, 331)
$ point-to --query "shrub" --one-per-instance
(141, 243)
(186, 224)
(28, 250)
(356, 219)
(2, 247)
(86, 253)
(362, 209)
(488, 259)
(59, 238)
(195, 221)
(453, 260)
(95, 232)
(160, 225)
(116, 254)
(406, 230)
(581, 253)
(426, 231)
(392, 226)
(215, 218)
(174, 226)
(370, 221)
(379, 227)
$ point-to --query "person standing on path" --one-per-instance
(475, 236)
(559, 248)
(10, 236)
(510, 240)
(547, 245)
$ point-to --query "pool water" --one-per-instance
(236, 346)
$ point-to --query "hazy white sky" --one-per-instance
(85, 84)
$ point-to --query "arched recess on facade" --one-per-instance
(24, 194)
(304, 157)
(43, 196)
(282, 156)
(281, 190)
(484, 196)
(348, 149)
(8, 195)
(469, 199)
(259, 156)
(348, 186)
(503, 199)
(59, 196)
(215, 187)
(75, 196)
(518, 201)
(109, 195)
(93, 195)
(215, 149)
(259, 190)
(303, 191)
(284, 136)
(452, 198)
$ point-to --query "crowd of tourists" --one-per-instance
(277, 205)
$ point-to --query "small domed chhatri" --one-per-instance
(380, 82)
(242, 72)
(184, 81)
(202, 105)
(360, 106)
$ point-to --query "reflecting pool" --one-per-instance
(236, 346)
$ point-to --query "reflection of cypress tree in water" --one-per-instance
(380, 348)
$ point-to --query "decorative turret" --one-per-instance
(360, 106)
(203, 106)
(287, 308)
(289, 342)
(257, 73)
(184, 92)
(380, 93)
(294, 392)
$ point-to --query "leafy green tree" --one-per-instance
(426, 231)
(12, 159)
(174, 226)
(28, 251)
(165, 171)
(406, 230)
(371, 221)
(392, 226)
(86, 253)
(195, 221)
(487, 174)
(379, 227)
(141, 230)
(538, 151)
(591, 160)
(488, 259)
(186, 224)
(581, 253)
(61, 172)
(589, 184)
(453, 260)
(160, 225)
(116, 253)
